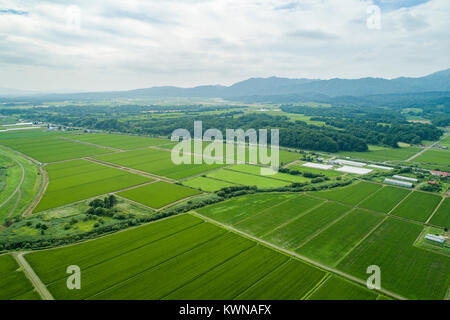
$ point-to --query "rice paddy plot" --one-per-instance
(385, 199)
(234, 210)
(418, 206)
(51, 265)
(13, 282)
(158, 162)
(158, 194)
(412, 272)
(383, 154)
(207, 184)
(76, 180)
(291, 235)
(351, 195)
(124, 142)
(439, 157)
(279, 284)
(275, 216)
(256, 170)
(262, 182)
(337, 240)
(232, 277)
(441, 217)
(335, 288)
(51, 148)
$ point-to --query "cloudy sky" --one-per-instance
(111, 45)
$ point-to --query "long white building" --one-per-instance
(405, 178)
(399, 183)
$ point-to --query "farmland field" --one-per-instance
(13, 283)
(327, 173)
(418, 206)
(157, 162)
(385, 199)
(291, 235)
(413, 272)
(442, 216)
(122, 142)
(335, 288)
(158, 194)
(51, 148)
(351, 195)
(207, 184)
(256, 170)
(439, 157)
(76, 180)
(384, 154)
(247, 179)
(181, 257)
(336, 241)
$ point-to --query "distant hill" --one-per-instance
(274, 86)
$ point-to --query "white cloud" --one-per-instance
(134, 43)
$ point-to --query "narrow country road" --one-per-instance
(32, 276)
(425, 149)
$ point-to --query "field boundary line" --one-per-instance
(298, 256)
(400, 202)
(157, 265)
(136, 248)
(369, 196)
(435, 210)
(33, 277)
(262, 278)
(317, 286)
(361, 240)
(254, 245)
(294, 218)
(319, 231)
(264, 210)
(131, 170)
(92, 144)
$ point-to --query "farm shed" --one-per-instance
(317, 166)
(355, 170)
(398, 183)
(405, 178)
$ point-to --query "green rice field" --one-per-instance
(418, 206)
(256, 170)
(236, 177)
(385, 199)
(207, 184)
(75, 180)
(335, 288)
(176, 258)
(326, 173)
(383, 154)
(439, 157)
(123, 142)
(158, 194)
(13, 283)
(442, 216)
(352, 194)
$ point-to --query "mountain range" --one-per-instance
(274, 86)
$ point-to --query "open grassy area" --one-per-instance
(207, 184)
(158, 162)
(335, 288)
(236, 177)
(13, 283)
(158, 194)
(352, 194)
(412, 272)
(385, 199)
(181, 257)
(418, 206)
(442, 216)
(327, 173)
(76, 180)
(123, 142)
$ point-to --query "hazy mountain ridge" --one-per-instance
(274, 86)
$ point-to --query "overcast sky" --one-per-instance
(91, 45)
